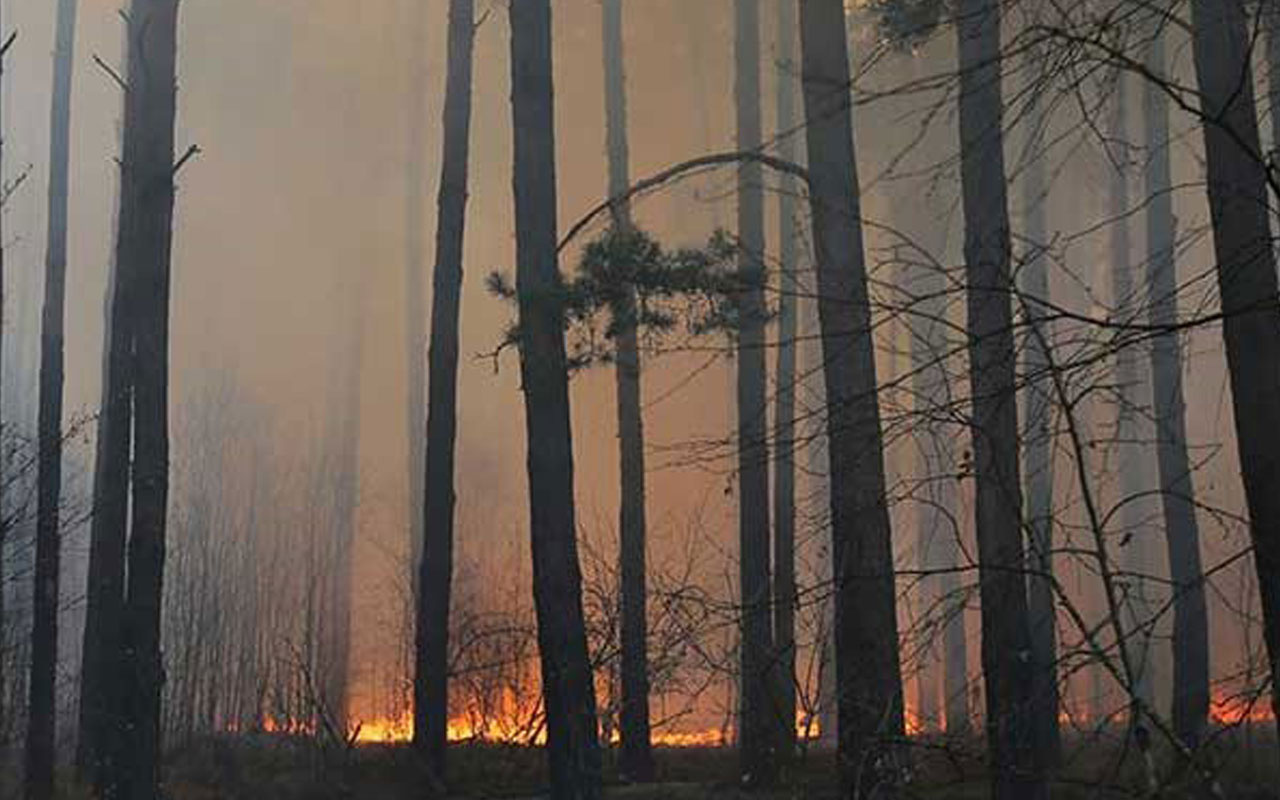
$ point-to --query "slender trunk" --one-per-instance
(148, 185)
(431, 682)
(1126, 371)
(757, 721)
(1238, 202)
(868, 672)
(1006, 636)
(1271, 23)
(415, 340)
(5, 524)
(636, 760)
(1182, 533)
(568, 692)
(42, 706)
(785, 598)
(98, 740)
(1038, 448)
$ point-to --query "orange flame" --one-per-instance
(465, 728)
(1242, 708)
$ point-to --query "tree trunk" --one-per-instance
(636, 758)
(1238, 203)
(1271, 24)
(1182, 532)
(5, 523)
(785, 599)
(148, 187)
(868, 673)
(568, 692)
(1038, 445)
(1127, 378)
(1006, 638)
(415, 316)
(431, 683)
(757, 715)
(97, 746)
(41, 749)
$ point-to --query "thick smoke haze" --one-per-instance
(289, 279)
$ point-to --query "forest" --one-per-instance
(588, 399)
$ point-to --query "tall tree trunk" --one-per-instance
(1238, 202)
(1182, 532)
(415, 269)
(785, 599)
(868, 672)
(1126, 372)
(568, 693)
(636, 758)
(148, 187)
(431, 681)
(5, 524)
(1006, 636)
(41, 749)
(1271, 24)
(97, 746)
(757, 720)
(1038, 445)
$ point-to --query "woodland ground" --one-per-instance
(277, 768)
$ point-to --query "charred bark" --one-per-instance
(41, 744)
(568, 692)
(757, 714)
(868, 672)
(1006, 638)
(1037, 454)
(1238, 203)
(146, 220)
(431, 683)
(1177, 494)
(785, 600)
(636, 757)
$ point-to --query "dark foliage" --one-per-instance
(688, 290)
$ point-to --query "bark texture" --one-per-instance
(868, 672)
(785, 598)
(1177, 495)
(146, 224)
(636, 757)
(757, 711)
(41, 744)
(567, 688)
(1006, 638)
(1238, 203)
(431, 684)
(1037, 454)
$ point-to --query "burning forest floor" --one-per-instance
(294, 768)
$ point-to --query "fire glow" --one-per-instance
(513, 731)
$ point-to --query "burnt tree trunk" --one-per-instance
(1006, 640)
(1177, 494)
(1037, 454)
(431, 681)
(756, 739)
(785, 600)
(568, 693)
(415, 315)
(636, 757)
(97, 746)
(148, 186)
(868, 672)
(1238, 203)
(41, 746)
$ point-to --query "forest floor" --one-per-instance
(279, 768)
